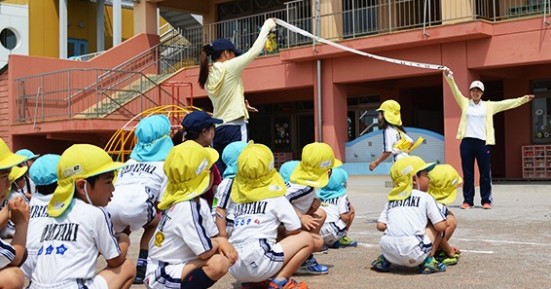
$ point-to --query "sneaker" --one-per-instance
(381, 264)
(431, 266)
(324, 250)
(486, 206)
(465, 206)
(311, 267)
(140, 274)
(291, 284)
(345, 242)
(256, 285)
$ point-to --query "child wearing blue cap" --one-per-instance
(223, 206)
(12, 255)
(44, 174)
(287, 168)
(29, 187)
(140, 185)
(340, 213)
(224, 86)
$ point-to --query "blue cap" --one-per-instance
(44, 170)
(336, 186)
(26, 153)
(197, 120)
(154, 142)
(287, 169)
(229, 157)
(222, 44)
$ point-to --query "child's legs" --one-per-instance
(11, 278)
(297, 248)
(452, 225)
(318, 240)
(351, 219)
(435, 238)
(119, 277)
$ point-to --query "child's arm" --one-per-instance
(220, 221)
(207, 254)
(308, 221)
(19, 211)
(226, 249)
(379, 160)
(4, 216)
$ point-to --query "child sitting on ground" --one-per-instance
(17, 210)
(43, 173)
(258, 191)
(186, 251)
(340, 212)
(444, 180)
(78, 229)
(17, 181)
(408, 240)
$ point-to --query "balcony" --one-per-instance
(346, 19)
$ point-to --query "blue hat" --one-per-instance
(26, 153)
(154, 142)
(229, 157)
(44, 170)
(287, 169)
(336, 186)
(222, 44)
(197, 120)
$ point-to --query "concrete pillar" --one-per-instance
(145, 18)
(100, 26)
(334, 110)
(63, 29)
(117, 22)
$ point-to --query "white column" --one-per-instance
(100, 26)
(117, 22)
(62, 29)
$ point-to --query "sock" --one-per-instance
(142, 258)
(197, 279)
(309, 260)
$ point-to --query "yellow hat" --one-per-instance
(391, 111)
(444, 180)
(313, 170)
(16, 173)
(187, 167)
(256, 177)
(401, 173)
(79, 161)
(7, 158)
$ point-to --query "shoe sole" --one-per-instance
(299, 272)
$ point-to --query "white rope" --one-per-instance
(342, 47)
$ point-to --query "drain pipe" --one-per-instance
(318, 74)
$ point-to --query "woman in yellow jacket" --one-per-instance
(222, 81)
(476, 132)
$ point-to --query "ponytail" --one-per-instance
(204, 64)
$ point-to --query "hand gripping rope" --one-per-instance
(342, 47)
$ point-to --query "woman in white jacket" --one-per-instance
(476, 132)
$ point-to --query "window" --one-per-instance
(8, 38)
(362, 116)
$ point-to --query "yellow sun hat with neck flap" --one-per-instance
(391, 111)
(7, 158)
(444, 180)
(256, 177)
(187, 167)
(402, 172)
(313, 169)
(78, 162)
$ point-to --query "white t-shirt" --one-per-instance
(335, 207)
(300, 196)
(476, 121)
(409, 217)
(184, 232)
(390, 137)
(222, 200)
(260, 220)
(71, 243)
(138, 181)
(7, 254)
(38, 218)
